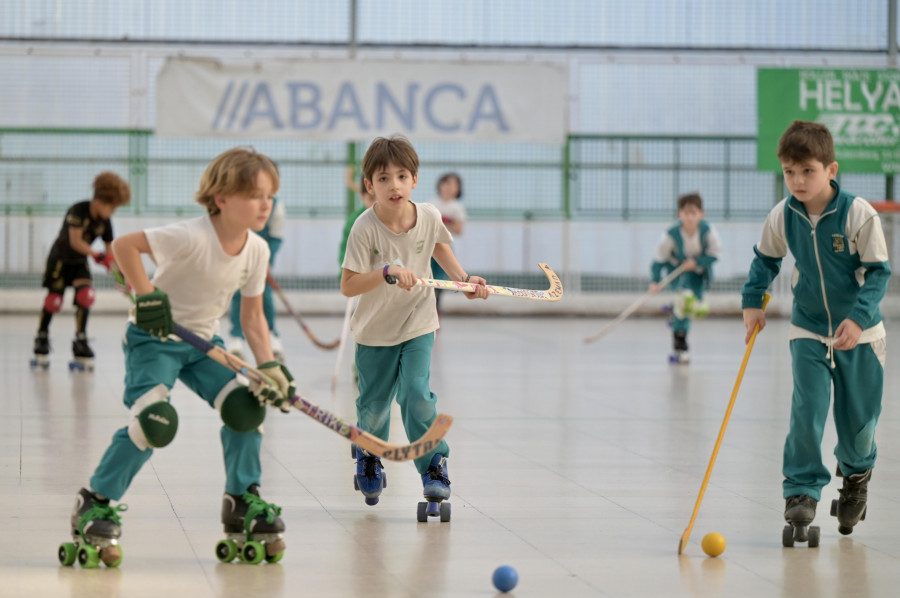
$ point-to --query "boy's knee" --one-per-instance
(239, 409)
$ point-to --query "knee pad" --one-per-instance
(153, 419)
(84, 296)
(239, 409)
(53, 302)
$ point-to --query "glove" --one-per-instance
(153, 314)
(277, 395)
(104, 259)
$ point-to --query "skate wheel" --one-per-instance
(814, 536)
(787, 536)
(112, 556)
(253, 552)
(274, 558)
(371, 500)
(226, 550)
(445, 512)
(355, 484)
(88, 557)
(68, 552)
(834, 507)
(421, 517)
(74, 365)
(844, 530)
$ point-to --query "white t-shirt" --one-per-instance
(387, 315)
(451, 209)
(197, 274)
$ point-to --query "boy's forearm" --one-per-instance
(355, 283)
(127, 251)
(256, 329)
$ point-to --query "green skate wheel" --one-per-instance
(226, 550)
(253, 552)
(275, 558)
(88, 557)
(68, 552)
(112, 556)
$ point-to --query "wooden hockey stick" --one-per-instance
(737, 385)
(275, 287)
(636, 305)
(376, 446)
(554, 293)
(394, 452)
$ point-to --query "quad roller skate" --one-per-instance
(253, 529)
(679, 348)
(96, 528)
(82, 355)
(41, 352)
(436, 489)
(370, 478)
(850, 508)
(799, 511)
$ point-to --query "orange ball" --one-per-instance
(713, 544)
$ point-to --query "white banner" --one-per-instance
(359, 100)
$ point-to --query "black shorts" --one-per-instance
(59, 274)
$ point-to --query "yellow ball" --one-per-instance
(713, 544)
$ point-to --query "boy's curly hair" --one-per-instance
(111, 189)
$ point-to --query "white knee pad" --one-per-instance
(153, 419)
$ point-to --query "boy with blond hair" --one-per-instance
(200, 263)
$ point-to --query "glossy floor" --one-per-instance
(579, 465)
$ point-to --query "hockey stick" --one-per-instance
(271, 280)
(345, 334)
(737, 385)
(376, 446)
(636, 305)
(554, 293)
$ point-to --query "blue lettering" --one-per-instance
(383, 96)
(487, 107)
(298, 105)
(429, 100)
(267, 110)
(346, 94)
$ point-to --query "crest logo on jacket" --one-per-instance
(837, 243)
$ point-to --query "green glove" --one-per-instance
(282, 389)
(153, 314)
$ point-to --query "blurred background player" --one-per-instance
(273, 233)
(837, 336)
(394, 325)
(200, 263)
(453, 215)
(67, 263)
(694, 243)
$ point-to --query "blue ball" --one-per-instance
(505, 578)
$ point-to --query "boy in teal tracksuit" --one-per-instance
(837, 337)
(694, 243)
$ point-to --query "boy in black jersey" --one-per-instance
(67, 263)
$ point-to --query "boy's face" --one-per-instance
(810, 181)
(449, 188)
(392, 185)
(690, 216)
(249, 210)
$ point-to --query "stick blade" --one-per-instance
(682, 544)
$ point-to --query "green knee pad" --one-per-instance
(154, 421)
(241, 411)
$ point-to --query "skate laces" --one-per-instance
(437, 474)
(101, 510)
(256, 506)
(372, 466)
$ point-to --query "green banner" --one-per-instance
(861, 108)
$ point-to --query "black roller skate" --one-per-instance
(679, 348)
(82, 355)
(254, 529)
(96, 528)
(370, 478)
(436, 489)
(850, 508)
(41, 351)
(799, 511)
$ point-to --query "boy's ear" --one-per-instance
(832, 170)
(415, 180)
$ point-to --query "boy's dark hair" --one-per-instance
(234, 172)
(111, 189)
(804, 140)
(690, 199)
(395, 150)
(448, 176)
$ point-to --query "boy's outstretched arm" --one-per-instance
(128, 249)
(443, 255)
